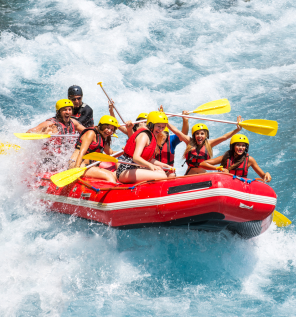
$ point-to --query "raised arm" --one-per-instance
(226, 136)
(111, 111)
(179, 134)
(185, 127)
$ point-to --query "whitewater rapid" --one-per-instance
(180, 54)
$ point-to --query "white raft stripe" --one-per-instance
(162, 200)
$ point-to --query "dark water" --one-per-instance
(180, 54)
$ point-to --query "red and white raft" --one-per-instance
(211, 201)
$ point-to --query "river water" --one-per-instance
(180, 54)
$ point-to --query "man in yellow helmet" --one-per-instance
(61, 123)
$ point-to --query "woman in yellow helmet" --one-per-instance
(95, 139)
(130, 128)
(237, 160)
(199, 146)
(140, 149)
(61, 123)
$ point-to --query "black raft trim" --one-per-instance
(188, 187)
(176, 222)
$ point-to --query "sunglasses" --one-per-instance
(78, 98)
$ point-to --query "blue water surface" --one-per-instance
(180, 54)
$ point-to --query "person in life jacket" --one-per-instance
(140, 149)
(166, 152)
(61, 123)
(199, 146)
(130, 128)
(236, 161)
(81, 112)
(95, 139)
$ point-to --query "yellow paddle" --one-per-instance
(107, 158)
(5, 147)
(280, 220)
(213, 107)
(260, 126)
(39, 136)
(67, 177)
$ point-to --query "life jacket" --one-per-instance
(241, 170)
(148, 151)
(97, 146)
(90, 121)
(165, 156)
(193, 159)
(55, 144)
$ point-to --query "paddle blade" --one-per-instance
(67, 177)
(280, 220)
(100, 157)
(32, 136)
(260, 126)
(5, 147)
(214, 107)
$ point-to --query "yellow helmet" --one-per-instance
(109, 120)
(239, 138)
(63, 103)
(142, 115)
(199, 126)
(157, 117)
(166, 129)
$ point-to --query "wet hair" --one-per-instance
(237, 161)
(101, 128)
(192, 144)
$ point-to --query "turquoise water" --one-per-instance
(180, 54)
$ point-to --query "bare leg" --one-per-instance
(140, 175)
(100, 173)
(196, 170)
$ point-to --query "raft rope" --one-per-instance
(249, 181)
(105, 188)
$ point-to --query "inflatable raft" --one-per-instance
(210, 201)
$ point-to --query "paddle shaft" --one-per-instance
(112, 103)
(199, 118)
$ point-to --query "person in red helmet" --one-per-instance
(81, 112)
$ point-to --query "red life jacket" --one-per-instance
(165, 156)
(148, 151)
(55, 143)
(97, 146)
(241, 170)
(193, 159)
